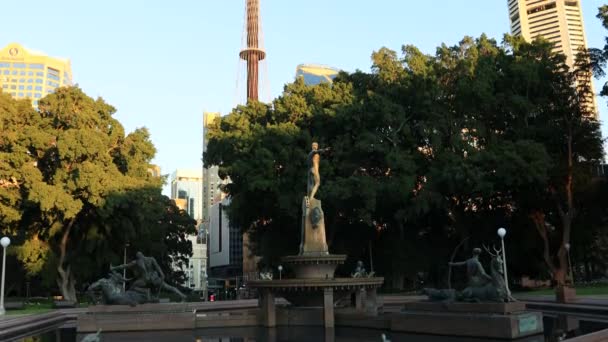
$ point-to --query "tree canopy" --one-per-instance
(74, 189)
(426, 151)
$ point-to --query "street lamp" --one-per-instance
(5, 241)
(567, 246)
(280, 271)
(124, 270)
(502, 232)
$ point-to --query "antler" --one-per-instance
(490, 252)
(498, 251)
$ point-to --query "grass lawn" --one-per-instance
(31, 309)
(580, 291)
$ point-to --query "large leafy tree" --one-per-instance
(75, 187)
(426, 150)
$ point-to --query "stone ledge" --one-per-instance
(496, 308)
(141, 308)
(488, 325)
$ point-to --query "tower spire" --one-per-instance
(253, 53)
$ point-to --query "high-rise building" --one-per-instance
(314, 74)
(187, 192)
(558, 21)
(211, 180)
(29, 74)
(187, 188)
(225, 243)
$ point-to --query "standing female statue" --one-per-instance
(314, 178)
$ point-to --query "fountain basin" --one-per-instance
(314, 266)
(309, 292)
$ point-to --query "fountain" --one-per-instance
(314, 285)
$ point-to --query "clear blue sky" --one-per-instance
(162, 63)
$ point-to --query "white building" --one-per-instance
(187, 192)
(225, 243)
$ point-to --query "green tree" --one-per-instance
(67, 171)
(426, 150)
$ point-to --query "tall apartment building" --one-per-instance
(187, 192)
(558, 21)
(187, 187)
(29, 74)
(225, 243)
(211, 180)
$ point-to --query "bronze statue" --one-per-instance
(148, 275)
(481, 287)
(476, 275)
(112, 293)
(360, 271)
(314, 178)
(92, 337)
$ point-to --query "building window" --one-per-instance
(29, 94)
(5, 86)
(35, 103)
(36, 66)
(53, 77)
(6, 72)
(5, 65)
(37, 95)
(30, 73)
(39, 88)
(14, 72)
(39, 73)
(51, 71)
(14, 87)
(19, 65)
(20, 94)
(22, 73)
(29, 87)
(14, 94)
(30, 80)
(22, 80)
(39, 80)
(21, 87)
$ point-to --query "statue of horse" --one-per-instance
(112, 293)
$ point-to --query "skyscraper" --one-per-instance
(558, 21)
(211, 180)
(186, 191)
(30, 74)
(314, 74)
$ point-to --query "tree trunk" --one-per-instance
(567, 217)
(67, 284)
(66, 281)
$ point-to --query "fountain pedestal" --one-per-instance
(314, 285)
